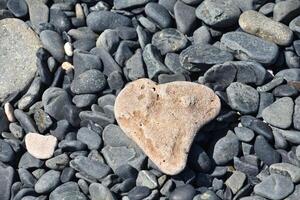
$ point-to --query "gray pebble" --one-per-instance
(236, 181)
(135, 66)
(265, 151)
(159, 14)
(53, 43)
(169, 40)
(58, 162)
(186, 192)
(7, 154)
(99, 191)
(102, 20)
(244, 134)
(265, 99)
(89, 137)
(218, 13)
(185, 23)
(69, 190)
(48, 182)
(91, 81)
(248, 47)
(7, 174)
(274, 187)
(200, 56)
(226, 148)
(285, 11)
(202, 35)
(153, 61)
(279, 113)
(242, 97)
(90, 168)
(147, 179)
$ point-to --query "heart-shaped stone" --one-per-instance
(164, 119)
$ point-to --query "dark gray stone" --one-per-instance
(280, 113)
(242, 97)
(218, 13)
(226, 148)
(27, 161)
(200, 56)
(183, 192)
(89, 137)
(248, 47)
(25, 121)
(172, 61)
(53, 43)
(271, 85)
(275, 187)
(167, 78)
(153, 61)
(97, 117)
(202, 35)
(295, 26)
(109, 40)
(199, 159)
(32, 94)
(60, 20)
(244, 134)
(7, 154)
(3, 121)
(122, 4)
(83, 61)
(27, 179)
(48, 182)
(185, 23)
(169, 40)
(69, 190)
(58, 162)
(42, 120)
(7, 174)
(265, 151)
(296, 115)
(89, 168)
(84, 100)
(102, 20)
(289, 74)
(53, 99)
(115, 81)
(17, 7)
(285, 11)
(159, 14)
(98, 191)
(138, 193)
(285, 91)
(290, 135)
(90, 81)
(135, 66)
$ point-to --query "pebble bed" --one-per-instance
(247, 51)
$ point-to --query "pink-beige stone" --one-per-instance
(164, 119)
(40, 146)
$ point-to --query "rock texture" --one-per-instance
(163, 119)
(18, 47)
(40, 146)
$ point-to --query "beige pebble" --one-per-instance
(40, 146)
(257, 24)
(68, 49)
(9, 111)
(79, 11)
(67, 66)
(164, 119)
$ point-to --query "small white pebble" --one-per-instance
(68, 49)
(40, 146)
(9, 111)
(79, 11)
(67, 66)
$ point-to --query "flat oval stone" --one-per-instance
(257, 24)
(154, 118)
(48, 182)
(200, 55)
(122, 4)
(102, 20)
(218, 13)
(18, 47)
(169, 40)
(40, 146)
(248, 47)
(185, 23)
